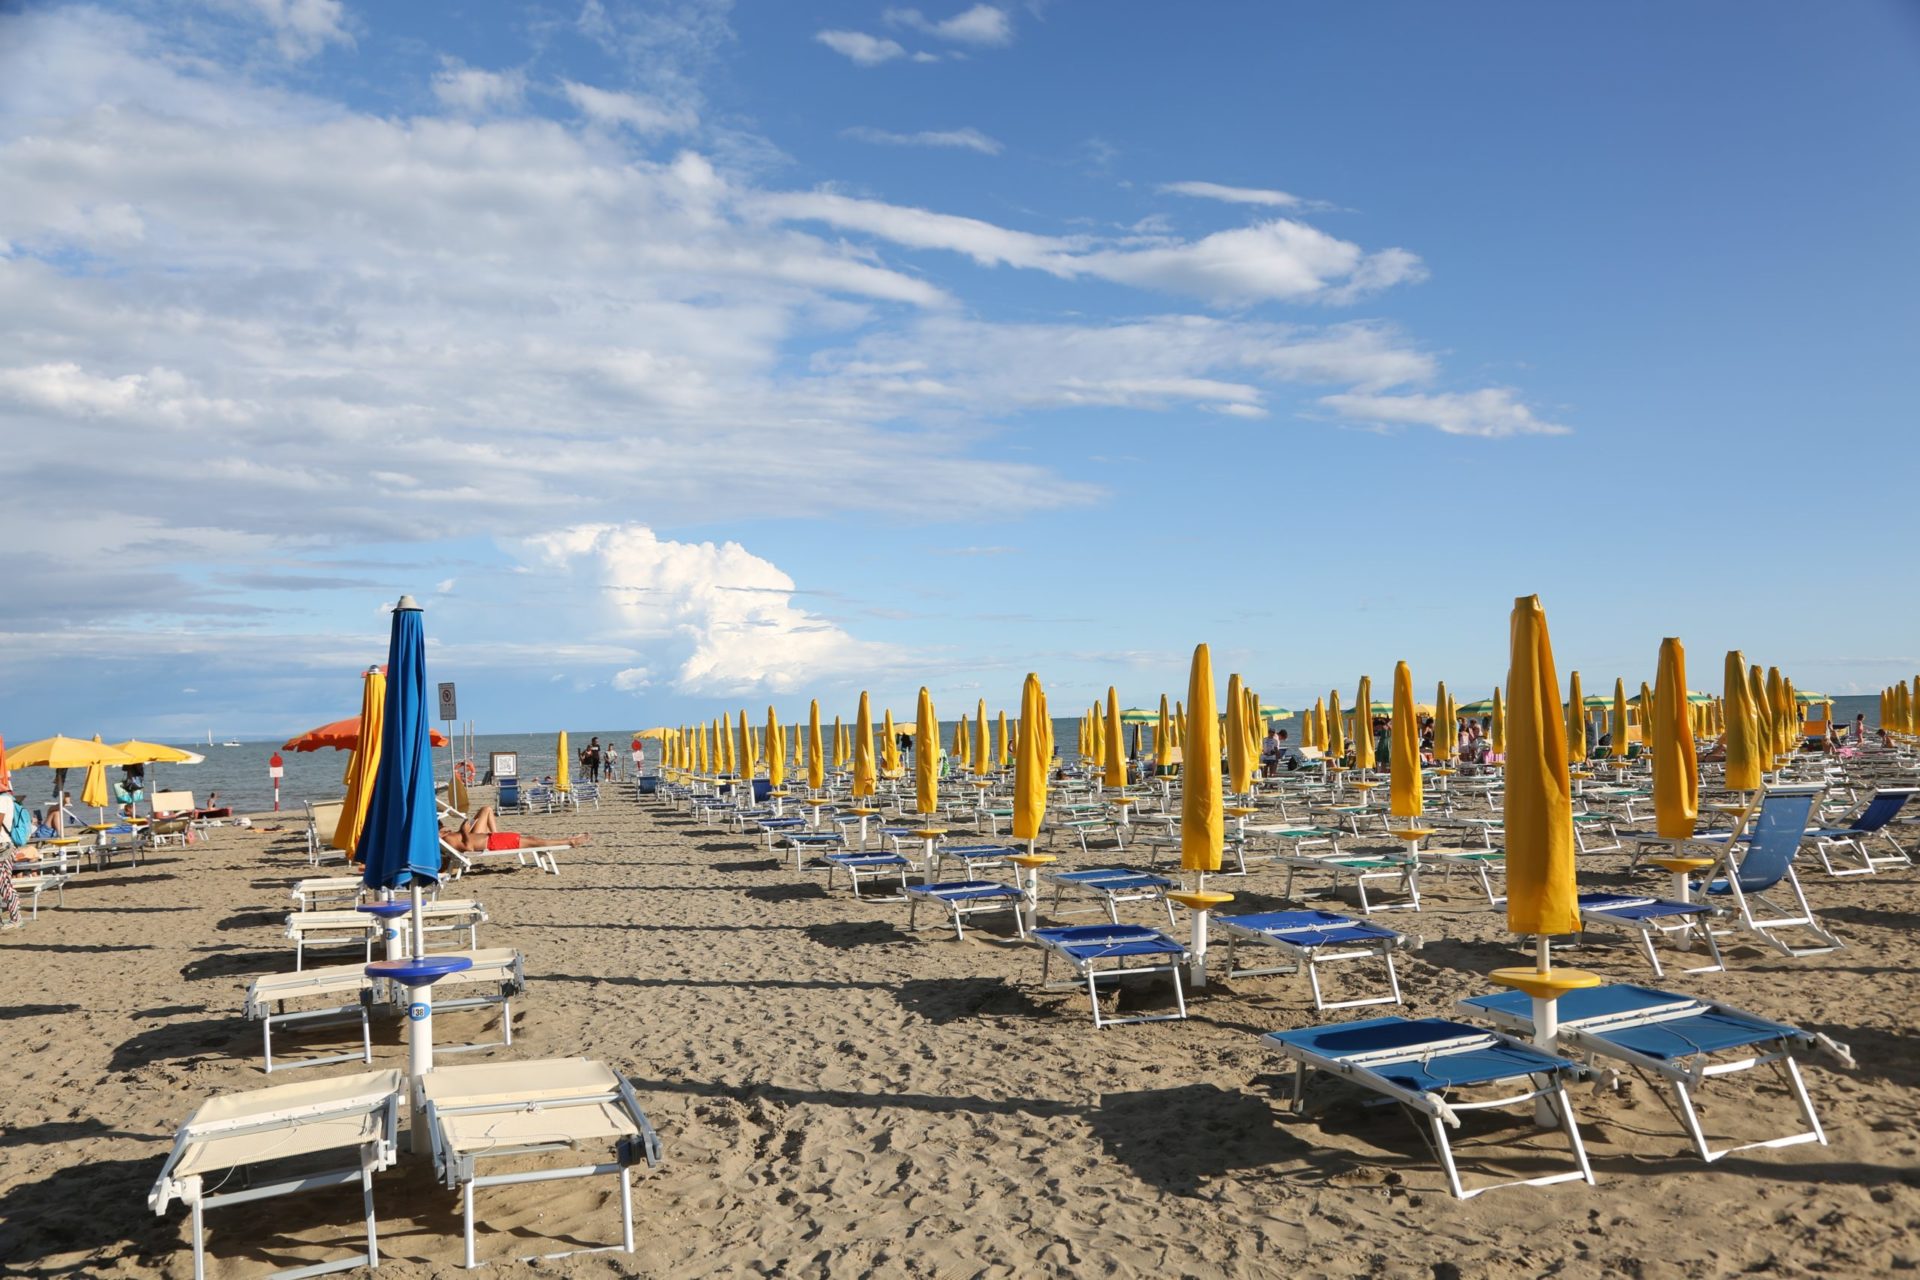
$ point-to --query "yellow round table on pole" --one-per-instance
(1030, 863)
(1200, 902)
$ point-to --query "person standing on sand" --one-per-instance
(9, 900)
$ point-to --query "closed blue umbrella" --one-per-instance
(400, 844)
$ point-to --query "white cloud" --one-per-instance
(646, 116)
(1233, 195)
(983, 25)
(444, 587)
(475, 91)
(632, 679)
(303, 27)
(967, 139)
(865, 50)
(1491, 412)
(727, 615)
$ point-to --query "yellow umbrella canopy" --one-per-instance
(1645, 703)
(64, 753)
(816, 767)
(1239, 767)
(138, 752)
(562, 779)
(1762, 711)
(1576, 720)
(863, 750)
(1115, 774)
(1446, 743)
(1030, 764)
(1676, 781)
(776, 752)
(93, 791)
(1618, 749)
(1538, 807)
(1499, 727)
(1336, 731)
(1363, 726)
(1048, 748)
(889, 746)
(702, 759)
(1096, 736)
(926, 782)
(364, 765)
(1404, 787)
(962, 741)
(1001, 747)
(981, 744)
(1782, 712)
(1163, 737)
(1202, 819)
(746, 751)
(839, 745)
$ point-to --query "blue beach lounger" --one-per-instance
(1100, 952)
(1872, 821)
(1310, 939)
(804, 842)
(1112, 886)
(963, 898)
(872, 866)
(1421, 1064)
(1674, 1038)
(974, 858)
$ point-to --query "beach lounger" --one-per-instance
(963, 898)
(506, 1110)
(1654, 918)
(316, 929)
(1421, 1064)
(346, 1125)
(1310, 939)
(323, 818)
(1395, 868)
(30, 884)
(803, 842)
(316, 892)
(1100, 953)
(1872, 822)
(973, 858)
(459, 862)
(1482, 862)
(869, 866)
(1110, 886)
(1675, 1039)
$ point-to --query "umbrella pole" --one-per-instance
(419, 1030)
(1546, 1023)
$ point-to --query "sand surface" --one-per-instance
(840, 1097)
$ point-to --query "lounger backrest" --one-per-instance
(173, 802)
(1775, 836)
(1883, 808)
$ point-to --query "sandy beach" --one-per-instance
(839, 1097)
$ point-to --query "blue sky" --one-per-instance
(693, 355)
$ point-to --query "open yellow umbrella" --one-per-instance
(60, 752)
(1239, 767)
(863, 781)
(1202, 814)
(1116, 765)
(1576, 720)
(1030, 765)
(364, 764)
(816, 766)
(1405, 797)
(1363, 726)
(562, 779)
(776, 752)
(926, 781)
(138, 752)
(1618, 746)
(1676, 781)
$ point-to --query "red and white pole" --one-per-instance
(276, 769)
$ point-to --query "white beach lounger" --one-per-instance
(459, 862)
(317, 892)
(284, 1131)
(315, 929)
(500, 1110)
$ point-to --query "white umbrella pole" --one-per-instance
(1546, 1025)
(419, 1030)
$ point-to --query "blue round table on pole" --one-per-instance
(418, 974)
(394, 935)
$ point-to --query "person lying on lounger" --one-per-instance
(481, 833)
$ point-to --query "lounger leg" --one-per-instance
(1445, 1150)
(1093, 994)
(1792, 1069)
(373, 1235)
(506, 1023)
(1179, 994)
(466, 1209)
(626, 1209)
(1646, 944)
(1565, 1105)
(1313, 981)
(1692, 1122)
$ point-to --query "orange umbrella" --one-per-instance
(341, 735)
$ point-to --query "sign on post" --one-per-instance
(448, 708)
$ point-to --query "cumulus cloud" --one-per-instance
(475, 91)
(302, 28)
(863, 49)
(726, 615)
(984, 25)
(646, 116)
(968, 139)
(1233, 195)
(1491, 412)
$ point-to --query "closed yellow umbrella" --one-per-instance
(1406, 799)
(1538, 808)
(1645, 704)
(1239, 766)
(982, 746)
(748, 755)
(93, 791)
(1776, 739)
(1180, 724)
(1163, 738)
(1576, 720)
(1202, 816)
(1446, 743)
(1619, 735)
(364, 765)
(1030, 765)
(839, 745)
(816, 766)
(562, 779)
(776, 752)
(926, 782)
(1084, 743)
(889, 746)
(863, 779)
(1363, 726)
(1001, 747)
(1676, 781)
(1116, 765)
(1762, 711)
(1745, 760)
(1096, 736)
(1499, 726)
(1336, 731)
(1045, 728)
(962, 742)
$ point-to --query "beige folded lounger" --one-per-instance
(357, 928)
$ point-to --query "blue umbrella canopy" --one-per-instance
(400, 843)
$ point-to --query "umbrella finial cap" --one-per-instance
(407, 602)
